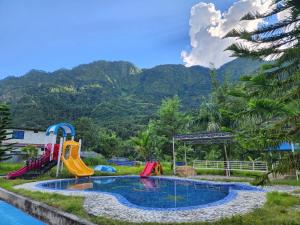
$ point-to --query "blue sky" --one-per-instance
(52, 34)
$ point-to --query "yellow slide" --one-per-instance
(73, 161)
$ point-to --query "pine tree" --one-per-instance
(273, 93)
(272, 111)
(4, 134)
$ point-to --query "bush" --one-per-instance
(94, 161)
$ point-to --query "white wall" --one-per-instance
(30, 137)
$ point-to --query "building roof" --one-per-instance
(26, 128)
(205, 137)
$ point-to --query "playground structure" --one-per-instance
(151, 169)
(67, 153)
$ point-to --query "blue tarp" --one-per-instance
(285, 146)
(121, 162)
(106, 169)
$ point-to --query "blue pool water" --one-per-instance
(10, 215)
(153, 192)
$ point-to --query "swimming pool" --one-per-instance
(12, 216)
(154, 193)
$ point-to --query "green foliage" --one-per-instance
(272, 109)
(94, 161)
(142, 145)
(213, 154)
(170, 120)
(5, 168)
(30, 150)
(155, 140)
(87, 131)
(109, 143)
(184, 153)
(4, 134)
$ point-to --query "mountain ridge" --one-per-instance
(117, 95)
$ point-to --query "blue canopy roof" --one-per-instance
(66, 129)
(285, 146)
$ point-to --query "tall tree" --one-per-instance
(273, 94)
(4, 134)
(142, 145)
(109, 143)
(272, 111)
(171, 121)
(88, 132)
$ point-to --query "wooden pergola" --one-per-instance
(202, 138)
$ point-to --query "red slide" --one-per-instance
(35, 164)
(148, 169)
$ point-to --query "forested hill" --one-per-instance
(115, 95)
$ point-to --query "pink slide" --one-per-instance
(32, 166)
(148, 169)
(37, 165)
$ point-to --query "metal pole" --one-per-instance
(52, 146)
(185, 160)
(79, 150)
(293, 151)
(61, 163)
(293, 147)
(59, 155)
(174, 157)
(227, 165)
(175, 193)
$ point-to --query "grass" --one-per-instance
(8, 167)
(286, 182)
(233, 173)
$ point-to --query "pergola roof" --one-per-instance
(205, 137)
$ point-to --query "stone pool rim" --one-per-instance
(232, 193)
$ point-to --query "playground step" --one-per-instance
(35, 173)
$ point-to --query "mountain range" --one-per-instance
(117, 95)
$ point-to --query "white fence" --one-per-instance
(258, 166)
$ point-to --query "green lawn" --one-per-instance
(8, 167)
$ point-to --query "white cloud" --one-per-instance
(208, 25)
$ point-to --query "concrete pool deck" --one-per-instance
(107, 205)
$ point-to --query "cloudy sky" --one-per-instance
(52, 34)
